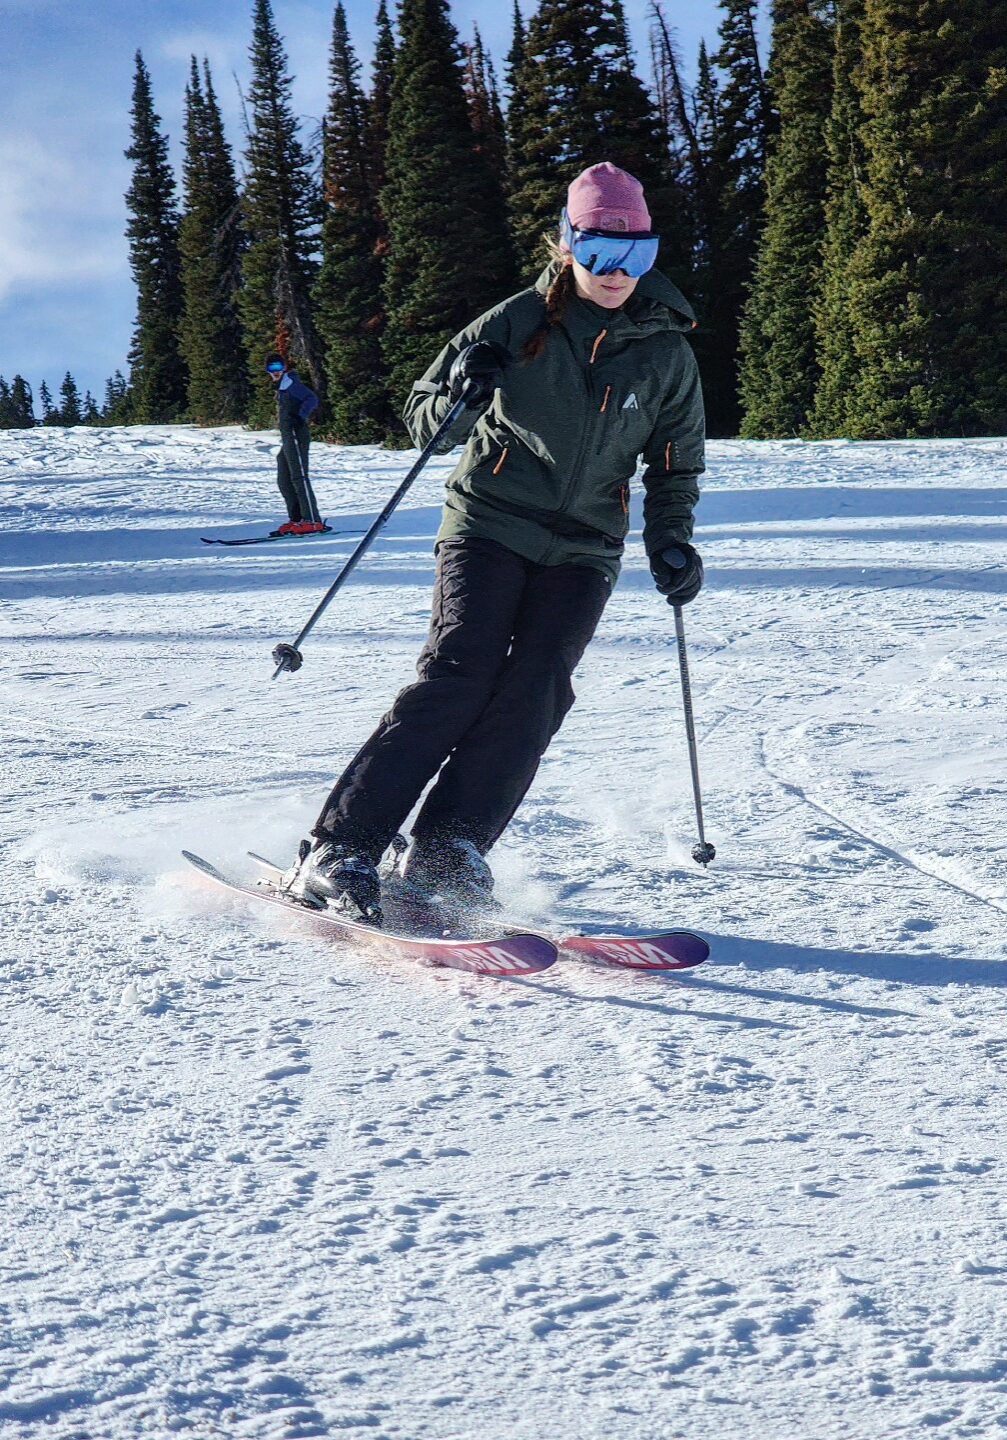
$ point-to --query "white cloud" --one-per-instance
(52, 225)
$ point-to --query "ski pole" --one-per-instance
(704, 852)
(309, 494)
(289, 657)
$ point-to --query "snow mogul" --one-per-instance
(570, 383)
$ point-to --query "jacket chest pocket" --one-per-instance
(625, 420)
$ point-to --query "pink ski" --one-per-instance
(508, 953)
(672, 950)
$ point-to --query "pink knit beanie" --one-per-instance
(603, 197)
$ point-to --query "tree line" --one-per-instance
(17, 404)
(838, 216)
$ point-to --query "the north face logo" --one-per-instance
(630, 402)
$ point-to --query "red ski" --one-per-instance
(507, 953)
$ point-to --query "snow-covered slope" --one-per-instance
(257, 1186)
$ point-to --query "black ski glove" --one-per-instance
(678, 573)
(481, 367)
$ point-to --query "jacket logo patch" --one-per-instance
(630, 402)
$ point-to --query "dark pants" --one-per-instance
(493, 689)
(292, 473)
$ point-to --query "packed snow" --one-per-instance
(260, 1185)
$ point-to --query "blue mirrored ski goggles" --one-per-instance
(603, 252)
(275, 369)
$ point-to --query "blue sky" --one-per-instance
(66, 296)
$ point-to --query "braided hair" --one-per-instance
(557, 296)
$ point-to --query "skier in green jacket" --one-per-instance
(570, 383)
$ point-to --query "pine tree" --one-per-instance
(281, 209)
(927, 290)
(779, 370)
(348, 291)
(211, 243)
(688, 161)
(118, 400)
(515, 57)
(845, 227)
(483, 98)
(23, 412)
(6, 406)
(737, 120)
(580, 103)
(50, 415)
(158, 370)
(382, 79)
(518, 131)
(450, 258)
(89, 410)
(69, 410)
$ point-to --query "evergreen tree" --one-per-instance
(450, 257)
(736, 118)
(348, 292)
(515, 56)
(483, 99)
(845, 226)
(69, 410)
(23, 412)
(779, 371)
(382, 79)
(688, 158)
(89, 411)
(518, 134)
(211, 245)
(50, 415)
(927, 289)
(15, 404)
(281, 214)
(580, 103)
(159, 378)
(116, 409)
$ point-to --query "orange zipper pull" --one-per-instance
(604, 403)
(594, 347)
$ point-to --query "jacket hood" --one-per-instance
(655, 299)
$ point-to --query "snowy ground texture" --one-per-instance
(254, 1185)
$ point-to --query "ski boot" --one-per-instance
(329, 875)
(450, 870)
(289, 527)
(312, 527)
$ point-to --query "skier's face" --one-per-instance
(275, 375)
(608, 291)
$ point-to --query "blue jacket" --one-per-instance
(295, 401)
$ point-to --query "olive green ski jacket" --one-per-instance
(546, 467)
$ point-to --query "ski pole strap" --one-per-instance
(281, 654)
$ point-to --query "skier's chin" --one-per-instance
(610, 298)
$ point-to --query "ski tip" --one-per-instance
(669, 950)
(200, 864)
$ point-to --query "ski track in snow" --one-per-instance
(255, 1185)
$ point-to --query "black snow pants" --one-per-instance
(292, 472)
(493, 688)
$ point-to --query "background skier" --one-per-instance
(296, 403)
(573, 379)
